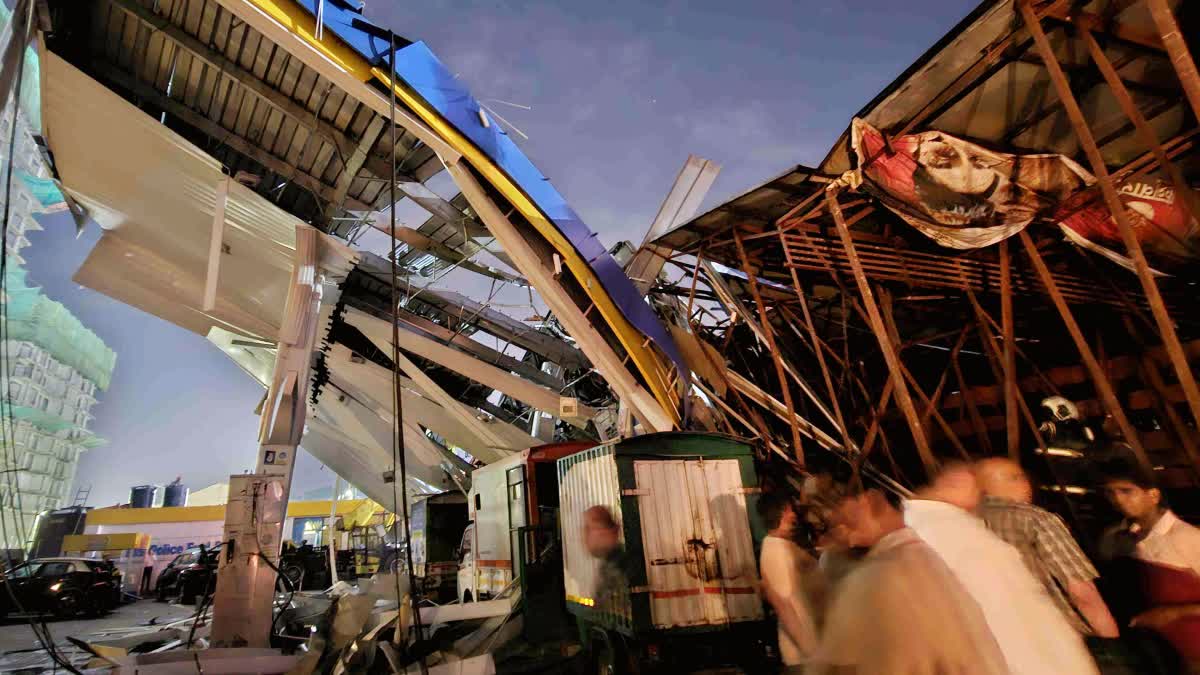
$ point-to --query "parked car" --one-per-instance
(190, 576)
(65, 587)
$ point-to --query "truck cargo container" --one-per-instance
(688, 536)
(510, 502)
(437, 524)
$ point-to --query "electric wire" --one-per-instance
(399, 506)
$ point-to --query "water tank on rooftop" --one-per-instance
(175, 494)
(143, 496)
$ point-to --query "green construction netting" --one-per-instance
(33, 317)
(41, 419)
(45, 190)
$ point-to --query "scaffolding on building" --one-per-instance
(55, 366)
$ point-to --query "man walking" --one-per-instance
(1033, 635)
(1047, 547)
(900, 610)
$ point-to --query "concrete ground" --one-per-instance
(15, 633)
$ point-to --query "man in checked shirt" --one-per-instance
(1048, 548)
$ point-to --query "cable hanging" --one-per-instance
(399, 483)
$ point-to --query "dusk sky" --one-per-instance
(621, 93)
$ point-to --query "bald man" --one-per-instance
(1046, 545)
(1033, 635)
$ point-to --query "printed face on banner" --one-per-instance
(960, 194)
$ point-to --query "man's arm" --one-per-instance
(1160, 617)
(794, 619)
(1072, 569)
(1087, 600)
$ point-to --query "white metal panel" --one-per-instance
(488, 505)
(589, 479)
(698, 548)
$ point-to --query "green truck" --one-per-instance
(677, 588)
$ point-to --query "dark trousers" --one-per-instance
(147, 572)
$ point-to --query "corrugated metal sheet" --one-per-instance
(156, 204)
(589, 479)
(198, 55)
(699, 553)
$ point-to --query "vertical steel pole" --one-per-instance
(1158, 308)
(769, 336)
(1011, 430)
(1177, 50)
(881, 334)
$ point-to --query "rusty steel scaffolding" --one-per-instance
(830, 325)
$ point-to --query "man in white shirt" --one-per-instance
(785, 568)
(1152, 533)
(900, 609)
(1033, 634)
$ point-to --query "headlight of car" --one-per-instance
(56, 587)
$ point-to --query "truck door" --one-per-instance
(518, 502)
(467, 572)
(696, 537)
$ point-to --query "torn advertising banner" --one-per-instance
(1164, 225)
(960, 194)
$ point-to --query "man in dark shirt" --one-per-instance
(602, 537)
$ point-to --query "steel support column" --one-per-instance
(769, 336)
(246, 578)
(903, 398)
(1158, 308)
(1103, 386)
(1177, 50)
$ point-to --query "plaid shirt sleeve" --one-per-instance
(1061, 554)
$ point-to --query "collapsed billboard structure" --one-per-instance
(210, 145)
(1013, 219)
(236, 151)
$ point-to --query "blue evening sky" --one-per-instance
(621, 92)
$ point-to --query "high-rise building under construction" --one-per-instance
(52, 365)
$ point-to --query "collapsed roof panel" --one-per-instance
(154, 253)
(304, 142)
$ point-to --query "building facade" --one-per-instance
(52, 365)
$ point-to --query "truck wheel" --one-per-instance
(608, 656)
(604, 661)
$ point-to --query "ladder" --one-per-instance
(81, 496)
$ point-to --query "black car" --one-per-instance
(65, 587)
(190, 576)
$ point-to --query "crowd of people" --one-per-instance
(970, 576)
